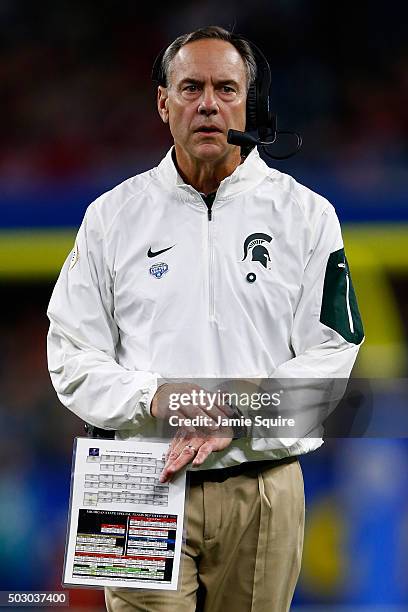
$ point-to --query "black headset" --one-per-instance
(259, 116)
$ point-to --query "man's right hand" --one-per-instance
(161, 402)
(191, 444)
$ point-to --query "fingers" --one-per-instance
(203, 452)
(179, 435)
(182, 453)
(176, 447)
(186, 448)
(211, 445)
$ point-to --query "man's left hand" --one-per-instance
(195, 447)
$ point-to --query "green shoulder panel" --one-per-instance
(339, 309)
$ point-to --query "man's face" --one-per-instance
(205, 97)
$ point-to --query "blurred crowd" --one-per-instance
(77, 100)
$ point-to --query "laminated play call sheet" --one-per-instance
(125, 527)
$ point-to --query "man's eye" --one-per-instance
(227, 89)
(191, 88)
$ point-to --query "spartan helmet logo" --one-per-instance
(258, 246)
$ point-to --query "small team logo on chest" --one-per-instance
(159, 269)
(257, 248)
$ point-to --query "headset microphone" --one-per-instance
(245, 139)
(241, 139)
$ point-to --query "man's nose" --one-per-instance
(208, 102)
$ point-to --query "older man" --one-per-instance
(209, 265)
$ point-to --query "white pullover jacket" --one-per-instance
(154, 287)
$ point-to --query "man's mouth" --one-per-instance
(208, 129)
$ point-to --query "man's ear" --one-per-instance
(162, 100)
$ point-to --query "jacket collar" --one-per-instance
(247, 175)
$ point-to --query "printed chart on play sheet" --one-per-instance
(125, 527)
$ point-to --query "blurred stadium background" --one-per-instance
(77, 117)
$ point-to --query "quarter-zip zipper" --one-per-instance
(209, 201)
(211, 267)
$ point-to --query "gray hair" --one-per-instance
(218, 33)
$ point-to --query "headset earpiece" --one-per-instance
(251, 109)
(259, 116)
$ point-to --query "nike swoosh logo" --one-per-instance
(151, 253)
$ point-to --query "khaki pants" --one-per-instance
(243, 547)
